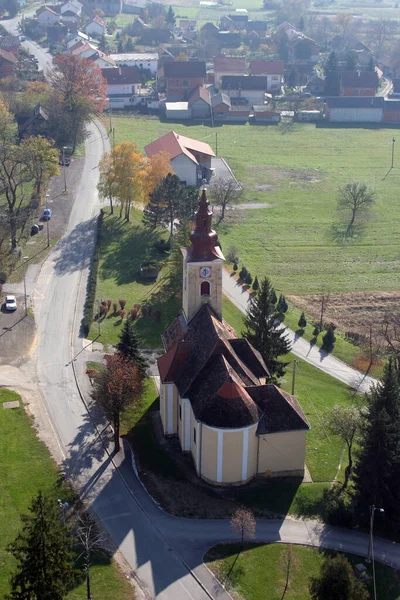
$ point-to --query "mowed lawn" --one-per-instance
(277, 571)
(25, 468)
(298, 173)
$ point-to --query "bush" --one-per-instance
(122, 303)
(133, 313)
(282, 305)
(158, 315)
(302, 321)
(232, 254)
(329, 339)
(249, 279)
(255, 285)
(122, 313)
(115, 308)
(274, 298)
(163, 246)
(91, 289)
(243, 274)
(235, 267)
(3, 277)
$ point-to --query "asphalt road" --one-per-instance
(44, 58)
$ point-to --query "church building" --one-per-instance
(215, 395)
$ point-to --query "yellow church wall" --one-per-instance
(209, 452)
(282, 453)
(162, 406)
(232, 457)
(195, 447)
(252, 451)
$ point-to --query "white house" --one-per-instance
(46, 17)
(72, 6)
(190, 159)
(79, 36)
(273, 70)
(70, 17)
(123, 85)
(97, 27)
(250, 89)
(147, 60)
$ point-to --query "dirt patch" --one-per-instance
(351, 312)
(269, 177)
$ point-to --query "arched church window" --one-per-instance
(205, 288)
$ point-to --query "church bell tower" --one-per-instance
(202, 265)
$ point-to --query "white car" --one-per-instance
(11, 303)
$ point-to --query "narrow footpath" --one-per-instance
(313, 355)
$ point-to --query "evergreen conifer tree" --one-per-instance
(128, 346)
(329, 339)
(170, 19)
(256, 284)
(44, 553)
(274, 297)
(302, 321)
(282, 305)
(263, 329)
(377, 472)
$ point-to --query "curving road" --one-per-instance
(164, 553)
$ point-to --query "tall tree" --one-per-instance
(43, 551)
(106, 185)
(118, 386)
(224, 193)
(377, 472)
(128, 346)
(41, 157)
(91, 540)
(170, 18)
(355, 201)
(264, 330)
(332, 86)
(130, 170)
(337, 582)
(382, 33)
(79, 90)
(159, 165)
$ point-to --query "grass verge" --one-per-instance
(25, 468)
(92, 283)
(277, 571)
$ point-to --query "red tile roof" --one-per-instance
(172, 362)
(267, 67)
(200, 92)
(230, 64)
(8, 56)
(356, 79)
(119, 75)
(189, 69)
(176, 144)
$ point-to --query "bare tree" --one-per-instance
(91, 539)
(225, 192)
(390, 329)
(372, 342)
(243, 522)
(345, 421)
(382, 32)
(324, 305)
(355, 201)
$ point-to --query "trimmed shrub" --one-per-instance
(133, 313)
(232, 254)
(122, 303)
(235, 267)
(282, 305)
(115, 308)
(302, 321)
(255, 285)
(243, 274)
(122, 313)
(108, 304)
(329, 339)
(249, 279)
(274, 297)
(91, 293)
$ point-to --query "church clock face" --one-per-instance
(205, 272)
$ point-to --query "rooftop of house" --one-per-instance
(37, 113)
(43, 9)
(10, 41)
(189, 69)
(176, 144)
(75, 3)
(392, 104)
(210, 27)
(69, 13)
(99, 21)
(220, 98)
(144, 56)
(229, 64)
(200, 92)
(355, 101)
(368, 79)
(244, 82)
(257, 25)
(98, 54)
(267, 67)
(119, 75)
(7, 56)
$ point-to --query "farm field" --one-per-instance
(25, 468)
(298, 173)
(261, 571)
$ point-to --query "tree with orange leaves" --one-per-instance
(129, 173)
(78, 91)
(118, 386)
(159, 165)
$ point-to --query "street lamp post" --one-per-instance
(393, 141)
(25, 296)
(65, 174)
(372, 510)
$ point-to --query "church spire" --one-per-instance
(204, 240)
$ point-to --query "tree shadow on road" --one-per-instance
(73, 254)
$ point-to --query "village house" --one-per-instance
(228, 65)
(70, 17)
(190, 159)
(209, 31)
(221, 104)
(353, 109)
(72, 6)
(391, 111)
(11, 44)
(358, 83)
(234, 22)
(35, 124)
(123, 84)
(7, 63)
(151, 36)
(145, 60)
(46, 17)
(215, 393)
(259, 27)
(97, 27)
(181, 78)
(134, 7)
(264, 115)
(273, 70)
(300, 48)
(109, 7)
(250, 89)
(200, 103)
(228, 39)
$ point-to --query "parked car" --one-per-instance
(46, 214)
(11, 303)
(65, 160)
(22, 38)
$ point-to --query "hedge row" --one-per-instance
(91, 289)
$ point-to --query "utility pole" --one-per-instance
(393, 141)
(294, 375)
(48, 234)
(110, 109)
(25, 296)
(113, 141)
(216, 143)
(65, 174)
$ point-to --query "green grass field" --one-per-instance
(261, 571)
(25, 468)
(298, 173)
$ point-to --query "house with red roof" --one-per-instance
(123, 85)
(273, 70)
(181, 78)
(215, 394)
(358, 83)
(228, 65)
(97, 27)
(46, 17)
(7, 63)
(190, 159)
(200, 103)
